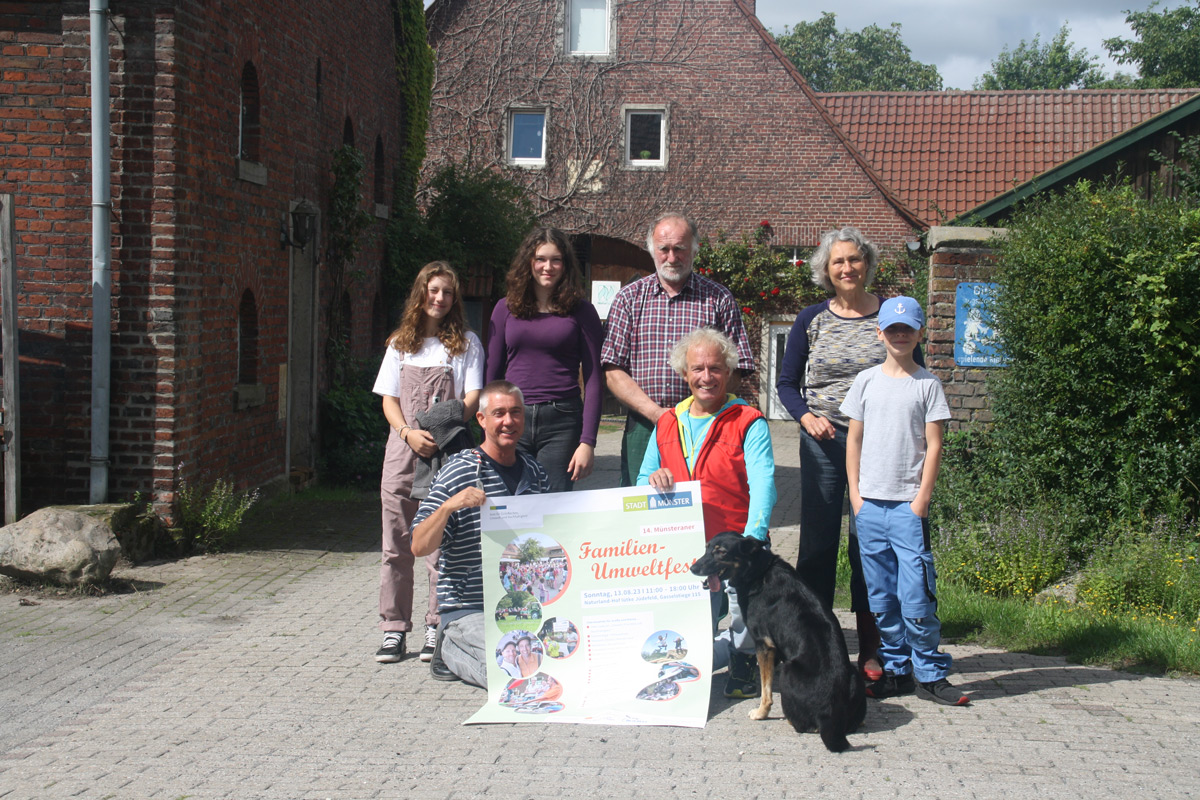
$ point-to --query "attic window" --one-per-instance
(587, 27)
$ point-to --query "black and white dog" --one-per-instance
(818, 686)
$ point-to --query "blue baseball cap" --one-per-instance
(901, 309)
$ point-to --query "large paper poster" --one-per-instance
(591, 614)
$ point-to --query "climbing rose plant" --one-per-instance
(763, 279)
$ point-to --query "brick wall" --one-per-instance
(958, 255)
(189, 235)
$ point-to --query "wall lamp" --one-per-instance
(304, 222)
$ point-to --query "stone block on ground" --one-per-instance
(142, 535)
(59, 545)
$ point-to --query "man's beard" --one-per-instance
(674, 274)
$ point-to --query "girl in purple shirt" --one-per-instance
(541, 336)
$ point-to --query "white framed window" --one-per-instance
(527, 136)
(645, 137)
(587, 27)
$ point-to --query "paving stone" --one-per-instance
(251, 675)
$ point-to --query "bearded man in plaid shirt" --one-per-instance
(647, 318)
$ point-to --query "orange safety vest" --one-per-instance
(720, 466)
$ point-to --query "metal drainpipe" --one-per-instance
(101, 253)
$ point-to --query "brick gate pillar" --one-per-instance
(957, 255)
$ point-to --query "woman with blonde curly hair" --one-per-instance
(431, 357)
(542, 335)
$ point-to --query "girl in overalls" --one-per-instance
(432, 356)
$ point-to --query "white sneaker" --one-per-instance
(430, 643)
(393, 648)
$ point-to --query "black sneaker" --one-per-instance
(940, 691)
(742, 682)
(891, 685)
(393, 648)
(437, 668)
(430, 643)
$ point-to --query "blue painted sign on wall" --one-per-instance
(975, 341)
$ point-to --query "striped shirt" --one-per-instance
(460, 580)
(645, 322)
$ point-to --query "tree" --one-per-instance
(873, 59)
(1033, 65)
(530, 550)
(1166, 49)
(475, 219)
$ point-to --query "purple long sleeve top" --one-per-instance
(543, 356)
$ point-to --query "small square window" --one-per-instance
(527, 137)
(587, 27)
(645, 138)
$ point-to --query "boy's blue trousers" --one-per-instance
(901, 588)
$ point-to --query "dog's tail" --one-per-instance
(826, 705)
(843, 716)
(832, 733)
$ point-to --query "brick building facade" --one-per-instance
(225, 114)
(611, 112)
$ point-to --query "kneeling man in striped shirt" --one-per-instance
(449, 518)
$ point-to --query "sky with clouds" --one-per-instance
(962, 37)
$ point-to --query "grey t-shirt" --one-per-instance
(893, 412)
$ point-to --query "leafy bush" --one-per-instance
(211, 518)
(901, 272)
(1096, 312)
(354, 431)
(473, 218)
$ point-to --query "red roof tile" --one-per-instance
(944, 153)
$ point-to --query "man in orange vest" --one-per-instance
(721, 441)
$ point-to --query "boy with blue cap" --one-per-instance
(893, 452)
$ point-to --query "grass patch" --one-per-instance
(327, 494)
(1136, 607)
(509, 625)
(1079, 633)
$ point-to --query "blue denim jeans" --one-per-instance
(822, 499)
(552, 431)
(903, 589)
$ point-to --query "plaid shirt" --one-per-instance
(644, 323)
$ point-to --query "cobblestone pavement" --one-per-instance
(251, 675)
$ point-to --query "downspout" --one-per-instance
(101, 253)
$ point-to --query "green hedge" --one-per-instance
(1098, 311)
